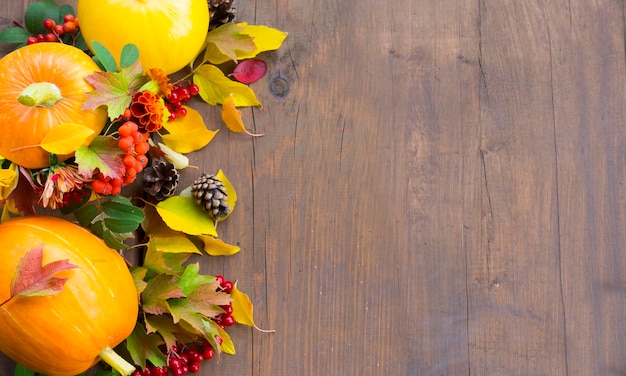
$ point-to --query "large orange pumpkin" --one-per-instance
(53, 73)
(168, 33)
(63, 334)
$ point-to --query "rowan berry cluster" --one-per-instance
(55, 31)
(134, 145)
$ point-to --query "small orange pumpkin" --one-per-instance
(41, 86)
(65, 333)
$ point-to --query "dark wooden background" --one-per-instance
(440, 191)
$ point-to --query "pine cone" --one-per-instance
(210, 194)
(160, 180)
(221, 12)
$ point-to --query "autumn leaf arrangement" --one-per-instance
(129, 126)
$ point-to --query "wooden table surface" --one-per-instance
(441, 189)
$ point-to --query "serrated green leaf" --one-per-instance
(191, 279)
(14, 35)
(182, 214)
(129, 55)
(171, 333)
(143, 347)
(104, 56)
(159, 293)
(102, 154)
(167, 263)
(229, 41)
(215, 87)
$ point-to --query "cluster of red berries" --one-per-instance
(179, 96)
(135, 146)
(226, 318)
(182, 362)
(56, 31)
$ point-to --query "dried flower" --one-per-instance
(161, 79)
(62, 183)
(149, 109)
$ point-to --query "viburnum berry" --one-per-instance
(227, 286)
(220, 279)
(194, 90)
(31, 40)
(41, 38)
(194, 355)
(228, 309)
(59, 30)
(136, 373)
(69, 27)
(228, 320)
(194, 367)
(207, 351)
(50, 37)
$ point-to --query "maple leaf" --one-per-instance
(159, 289)
(114, 89)
(207, 301)
(166, 263)
(228, 39)
(184, 310)
(170, 332)
(32, 278)
(143, 346)
(102, 154)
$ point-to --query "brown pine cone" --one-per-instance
(160, 180)
(209, 192)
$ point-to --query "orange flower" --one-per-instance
(149, 109)
(162, 80)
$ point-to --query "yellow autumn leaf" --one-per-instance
(231, 116)
(243, 310)
(8, 180)
(188, 133)
(215, 87)
(265, 38)
(66, 138)
(227, 345)
(182, 214)
(173, 244)
(230, 192)
(216, 247)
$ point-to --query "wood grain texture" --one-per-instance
(440, 190)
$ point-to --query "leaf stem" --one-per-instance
(118, 363)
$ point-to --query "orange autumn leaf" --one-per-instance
(232, 117)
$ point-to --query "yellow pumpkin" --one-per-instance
(65, 333)
(168, 33)
(42, 86)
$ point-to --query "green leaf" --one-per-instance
(129, 55)
(121, 226)
(120, 207)
(139, 275)
(215, 87)
(104, 56)
(37, 12)
(143, 347)
(14, 35)
(162, 287)
(228, 40)
(191, 279)
(64, 10)
(86, 214)
(182, 214)
(21, 370)
(168, 263)
(112, 239)
(102, 154)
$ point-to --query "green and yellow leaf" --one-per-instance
(215, 88)
(182, 214)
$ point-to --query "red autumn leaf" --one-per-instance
(249, 71)
(32, 278)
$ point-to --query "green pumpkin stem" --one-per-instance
(40, 94)
(117, 362)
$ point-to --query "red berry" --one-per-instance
(194, 89)
(125, 143)
(219, 339)
(194, 355)
(227, 286)
(172, 116)
(139, 137)
(131, 173)
(184, 359)
(68, 18)
(31, 40)
(136, 373)
(194, 367)
(228, 320)
(59, 29)
(181, 112)
(220, 279)
(50, 37)
(173, 97)
(177, 104)
(208, 352)
(129, 161)
(49, 24)
(125, 129)
(41, 38)
(228, 309)
(69, 27)
(138, 166)
(98, 186)
(147, 371)
(143, 160)
(142, 147)
(174, 363)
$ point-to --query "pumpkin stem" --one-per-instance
(40, 94)
(117, 362)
